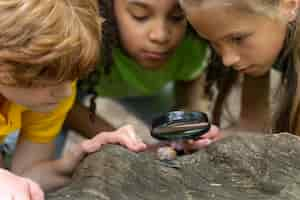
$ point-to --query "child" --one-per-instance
(44, 47)
(250, 37)
(146, 45)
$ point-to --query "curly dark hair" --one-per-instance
(110, 39)
(110, 32)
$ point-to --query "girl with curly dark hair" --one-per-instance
(147, 45)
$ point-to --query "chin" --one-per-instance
(153, 65)
(257, 72)
(261, 73)
(44, 109)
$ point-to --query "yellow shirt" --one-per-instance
(34, 126)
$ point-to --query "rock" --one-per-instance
(237, 167)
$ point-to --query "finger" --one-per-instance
(95, 143)
(127, 142)
(24, 195)
(155, 146)
(140, 147)
(127, 128)
(36, 193)
(6, 196)
(139, 143)
(86, 146)
(131, 132)
(198, 144)
(91, 145)
(213, 133)
(136, 140)
(137, 147)
(132, 141)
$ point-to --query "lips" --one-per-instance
(243, 69)
(151, 55)
(238, 68)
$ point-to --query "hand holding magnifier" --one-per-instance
(178, 126)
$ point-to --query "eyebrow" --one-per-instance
(144, 5)
(139, 3)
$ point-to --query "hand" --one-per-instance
(18, 188)
(212, 135)
(124, 136)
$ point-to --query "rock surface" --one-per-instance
(237, 167)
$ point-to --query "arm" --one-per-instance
(79, 120)
(190, 95)
(35, 161)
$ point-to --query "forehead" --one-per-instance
(223, 19)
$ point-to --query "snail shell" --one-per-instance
(166, 153)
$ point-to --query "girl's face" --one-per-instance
(249, 43)
(150, 30)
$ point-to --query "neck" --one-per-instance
(255, 111)
(2, 99)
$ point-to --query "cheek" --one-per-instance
(131, 37)
(19, 97)
(177, 35)
(269, 52)
(180, 32)
(270, 45)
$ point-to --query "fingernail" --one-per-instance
(208, 141)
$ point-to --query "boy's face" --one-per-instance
(38, 99)
(249, 43)
(150, 30)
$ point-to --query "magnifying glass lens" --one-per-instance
(179, 125)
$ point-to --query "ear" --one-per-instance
(289, 9)
(6, 74)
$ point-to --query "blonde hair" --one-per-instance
(47, 40)
(288, 114)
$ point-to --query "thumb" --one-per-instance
(7, 196)
(198, 144)
(36, 193)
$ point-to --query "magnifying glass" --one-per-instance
(180, 125)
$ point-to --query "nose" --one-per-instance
(160, 32)
(62, 91)
(230, 57)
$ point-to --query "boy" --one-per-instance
(45, 45)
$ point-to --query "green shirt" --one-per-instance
(127, 78)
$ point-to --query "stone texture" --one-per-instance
(238, 167)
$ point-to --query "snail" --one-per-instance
(175, 148)
(178, 127)
(166, 153)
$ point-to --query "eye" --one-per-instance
(177, 17)
(140, 18)
(239, 39)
